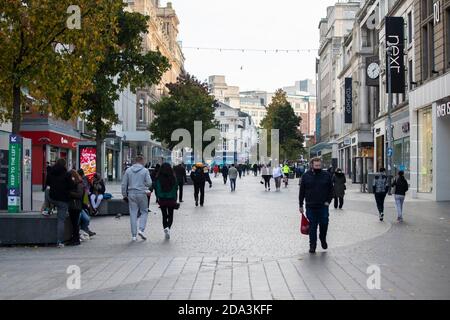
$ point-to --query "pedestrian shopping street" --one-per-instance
(245, 245)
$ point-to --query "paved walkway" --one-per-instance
(246, 245)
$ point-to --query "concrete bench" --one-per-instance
(113, 207)
(30, 229)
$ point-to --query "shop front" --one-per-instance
(430, 140)
(47, 147)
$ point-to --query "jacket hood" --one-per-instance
(137, 167)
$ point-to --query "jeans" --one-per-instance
(399, 200)
(84, 220)
(167, 216)
(278, 182)
(62, 208)
(379, 198)
(338, 201)
(317, 217)
(233, 184)
(75, 219)
(138, 204)
(199, 189)
(96, 200)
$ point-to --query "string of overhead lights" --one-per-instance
(244, 50)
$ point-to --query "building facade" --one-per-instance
(429, 101)
(223, 92)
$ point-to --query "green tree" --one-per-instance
(281, 116)
(188, 101)
(125, 65)
(40, 52)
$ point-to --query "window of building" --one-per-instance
(222, 113)
(410, 74)
(447, 36)
(425, 151)
(428, 52)
(141, 112)
(410, 27)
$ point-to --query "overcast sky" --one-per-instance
(254, 24)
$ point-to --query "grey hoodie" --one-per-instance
(136, 180)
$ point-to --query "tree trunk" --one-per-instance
(16, 117)
(99, 160)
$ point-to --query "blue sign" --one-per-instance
(13, 192)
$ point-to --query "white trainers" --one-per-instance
(167, 232)
(84, 236)
(133, 239)
(142, 235)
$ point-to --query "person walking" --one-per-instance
(267, 176)
(135, 190)
(316, 190)
(59, 181)
(380, 189)
(166, 187)
(216, 171)
(239, 169)
(225, 173)
(286, 170)
(180, 173)
(255, 169)
(277, 175)
(199, 176)
(400, 186)
(339, 188)
(233, 173)
(75, 206)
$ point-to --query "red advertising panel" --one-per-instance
(88, 161)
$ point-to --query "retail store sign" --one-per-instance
(14, 175)
(443, 108)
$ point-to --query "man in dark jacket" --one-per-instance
(225, 173)
(180, 173)
(316, 189)
(199, 176)
(60, 183)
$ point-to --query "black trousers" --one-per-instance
(199, 189)
(180, 190)
(225, 178)
(167, 216)
(75, 220)
(267, 181)
(379, 198)
(338, 201)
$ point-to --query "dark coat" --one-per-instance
(401, 186)
(316, 189)
(180, 173)
(199, 177)
(60, 183)
(76, 197)
(339, 181)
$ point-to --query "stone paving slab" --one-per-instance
(246, 246)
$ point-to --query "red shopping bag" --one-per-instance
(304, 225)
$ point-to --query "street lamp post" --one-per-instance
(390, 132)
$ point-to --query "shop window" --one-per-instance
(425, 151)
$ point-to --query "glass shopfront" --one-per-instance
(401, 155)
(425, 151)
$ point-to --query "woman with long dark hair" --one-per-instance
(166, 187)
(75, 206)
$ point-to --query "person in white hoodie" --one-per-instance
(135, 189)
(277, 175)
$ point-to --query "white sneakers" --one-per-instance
(142, 235)
(167, 232)
(133, 239)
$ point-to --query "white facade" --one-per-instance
(238, 132)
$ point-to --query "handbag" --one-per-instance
(304, 225)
